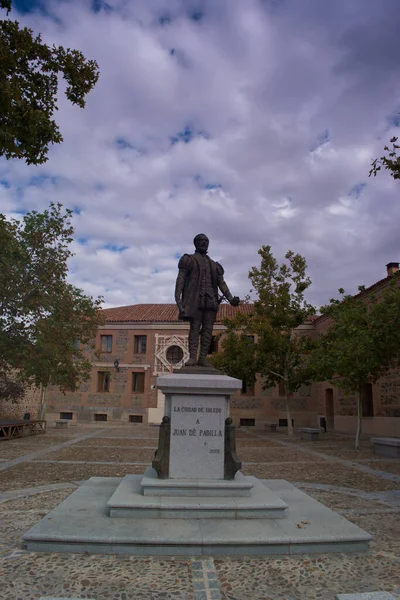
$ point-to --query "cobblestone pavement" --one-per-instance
(37, 473)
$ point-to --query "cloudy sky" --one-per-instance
(253, 121)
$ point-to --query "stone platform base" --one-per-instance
(260, 503)
(81, 523)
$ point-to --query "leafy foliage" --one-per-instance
(29, 72)
(42, 316)
(361, 343)
(278, 353)
(391, 161)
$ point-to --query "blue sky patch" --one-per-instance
(394, 120)
(114, 247)
(182, 136)
(357, 190)
(196, 14)
(38, 180)
(322, 139)
(27, 6)
(82, 241)
(164, 20)
(99, 5)
(5, 183)
(121, 142)
(206, 186)
(212, 186)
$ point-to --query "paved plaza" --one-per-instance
(38, 472)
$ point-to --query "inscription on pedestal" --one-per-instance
(197, 436)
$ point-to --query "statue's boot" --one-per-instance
(191, 362)
(203, 362)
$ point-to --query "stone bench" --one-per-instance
(309, 433)
(61, 424)
(387, 446)
(271, 427)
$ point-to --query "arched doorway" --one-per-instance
(329, 409)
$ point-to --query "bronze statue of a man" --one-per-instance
(196, 294)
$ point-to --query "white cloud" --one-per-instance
(285, 104)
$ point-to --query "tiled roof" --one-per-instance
(372, 288)
(163, 313)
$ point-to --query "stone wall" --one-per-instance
(347, 406)
(389, 396)
(30, 403)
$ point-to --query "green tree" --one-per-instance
(391, 161)
(29, 71)
(361, 344)
(45, 322)
(278, 352)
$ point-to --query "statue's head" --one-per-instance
(201, 242)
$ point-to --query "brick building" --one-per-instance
(140, 342)
(381, 401)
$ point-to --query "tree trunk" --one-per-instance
(359, 419)
(288, 415)
(43, 401)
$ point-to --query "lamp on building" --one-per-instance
(116, 364)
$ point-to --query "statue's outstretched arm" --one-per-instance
(234, 300)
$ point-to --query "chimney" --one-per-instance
(392, 268)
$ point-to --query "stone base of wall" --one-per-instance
(385, 426)
(29, 404)
(86, 414)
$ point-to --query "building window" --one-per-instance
(214, 345)
(103, 381)
(247, 422)
(283, 423)
(248, 389)
(66, 415)
(100, 417)
(174, 355)
(138, 383)
(106, 343)
(367, 400)
(282, 387)
(135, 419)
(140, 344)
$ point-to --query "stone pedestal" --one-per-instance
(198, 406)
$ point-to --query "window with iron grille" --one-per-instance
(174, 355)
(248, 389)
(135, 418)
(103, 381)
(106, 343)
(247, 422)
(66, 415)
(140, 344)
(100, 417)
(138, 382)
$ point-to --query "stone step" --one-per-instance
(128, 501)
